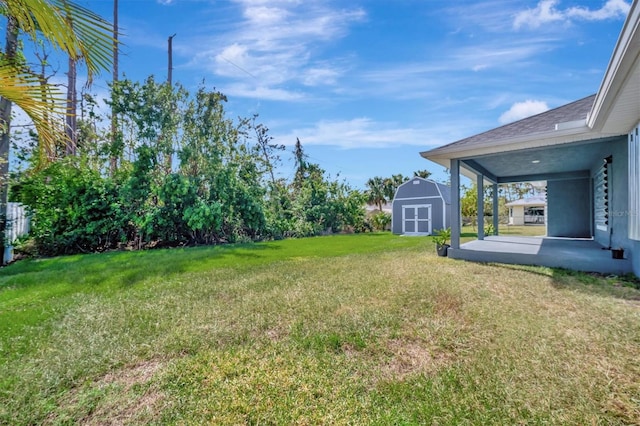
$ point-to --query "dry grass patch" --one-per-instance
(397, 336)
(124, 396)
(409, 358)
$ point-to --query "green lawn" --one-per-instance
(352, 329)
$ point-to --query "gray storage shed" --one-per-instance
(420, 207)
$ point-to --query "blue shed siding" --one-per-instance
(421, 192)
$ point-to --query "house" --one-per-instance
(588, 151)
(528, 211)
(420, 207)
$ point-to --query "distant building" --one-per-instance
(528, 211)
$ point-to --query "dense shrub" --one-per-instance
(178, 172)
(381, 221)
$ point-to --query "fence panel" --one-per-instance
(18, 224)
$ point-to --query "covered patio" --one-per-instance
(588, 152)
(569, 253)
(584, 191)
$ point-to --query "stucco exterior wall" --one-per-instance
(618, 195)
(517, 215)
(634, 255)
(569, 208)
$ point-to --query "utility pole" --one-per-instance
(113, 160)
(170, 52)
(71, 122)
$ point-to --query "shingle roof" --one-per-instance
(445, 190)
(543, 122)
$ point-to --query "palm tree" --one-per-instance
(376, 192)
(392, 183)
(89, 40)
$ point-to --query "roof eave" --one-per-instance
(534, 140)
(620, 65)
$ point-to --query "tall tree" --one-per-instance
(391, 185)
(115, 134)
(71, 140)
(376, 192)
(300, 164)
(424, 174)
(50, 19)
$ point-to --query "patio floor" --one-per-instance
(577, 254)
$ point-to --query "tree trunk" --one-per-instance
(5, 136)
(71, 127)
(113, 160)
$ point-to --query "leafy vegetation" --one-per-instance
(381, 191)
(183, 174)
(442, 236)
(349, 329)
(381, 221)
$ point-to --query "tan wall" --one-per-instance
(516, 215)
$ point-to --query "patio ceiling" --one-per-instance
(548, 163)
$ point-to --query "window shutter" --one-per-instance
(602, 181)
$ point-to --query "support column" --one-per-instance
(496, 218)
(480, 188)
(455, 204)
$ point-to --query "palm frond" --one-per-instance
(71, 28)
(44, 104)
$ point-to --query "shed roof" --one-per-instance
(445, 190)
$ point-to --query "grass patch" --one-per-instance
(357, 329)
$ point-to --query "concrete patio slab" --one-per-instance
(577, 254)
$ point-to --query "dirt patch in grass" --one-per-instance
(119, 397)
(412, 357)
(137, 374)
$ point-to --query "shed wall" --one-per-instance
(419, 192)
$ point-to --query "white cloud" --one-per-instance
(320, 76)
(242, 90)
(360, 133)
(611, 10)
(276, 45)
(521, 110)
(547, 12)
(544, 12)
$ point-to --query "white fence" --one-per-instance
(17, 225)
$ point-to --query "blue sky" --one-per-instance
(368, 84)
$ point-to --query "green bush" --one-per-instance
(381, 221)
(73, 209)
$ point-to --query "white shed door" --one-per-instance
(416, 219)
